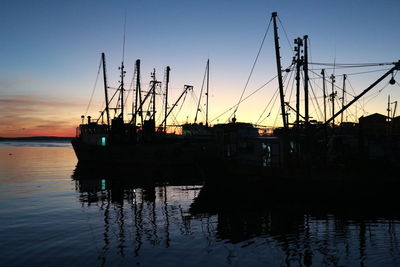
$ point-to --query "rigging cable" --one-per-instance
(201, 93)
(94, 89)
(351, 65)
(358, 102)
(252, 69)
(377, 93)
(395, 80)
(244, 99)
(266, 107)
(312, 89)
(162, 95)
(290, 77)
(292, 87)
(330, 83)
(272, 107)
(291, 91)
(315, 99)
(363, 72)
(197, 100)
(273, 101)
(317, 103)
(123, 43)
(180, 108)
(129, 91)
(290, 45)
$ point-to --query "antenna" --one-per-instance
(123, 42)
(122, 71)
(206, 76)
(208, 85)
(306, 81)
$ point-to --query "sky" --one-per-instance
(50, 54)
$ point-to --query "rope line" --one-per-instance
(252, 68)
(244, 99)
(94, 89)
(287, 38)
(266, 107)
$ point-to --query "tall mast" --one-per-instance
(206, 76)
(208, 84)
(343, 95)
(306, 79)
(103, 59)
(138, 96)
(166, 97)
(299, 43)
(324, 92)
(122, 89)
(279, 69)
(154, 94)
(333, 99)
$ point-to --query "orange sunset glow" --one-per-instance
(28, 115)
(48, 70)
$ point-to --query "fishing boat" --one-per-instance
(137, 141)
(302, 142)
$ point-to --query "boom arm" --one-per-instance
(396, 67)
(186, 88)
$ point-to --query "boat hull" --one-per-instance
(142, 154)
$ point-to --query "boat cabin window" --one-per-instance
(103, 141)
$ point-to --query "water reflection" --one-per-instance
(171, 217)
(308, 233)
(140, 215)
(139, 210)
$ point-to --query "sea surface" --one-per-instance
(55, 213)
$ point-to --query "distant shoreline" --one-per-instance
(36, 138)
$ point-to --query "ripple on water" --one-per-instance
(48, 218)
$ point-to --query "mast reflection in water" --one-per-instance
(140, 219)
(165, 221)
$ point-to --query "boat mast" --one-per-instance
(166, 98)
(206, 76)
(103, 59)
(140, 108)
(208, 83)
(324, 92)
(279, 69)
(343, 95)
(388, 116)
(154, 82)
(333, 100)
(122, 75)
(138, 96)
(299, 43)
(306, 79)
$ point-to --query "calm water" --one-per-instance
(54, 214)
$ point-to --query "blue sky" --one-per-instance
(50, 50)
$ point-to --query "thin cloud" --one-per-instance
(35, 101)
(29, 115)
